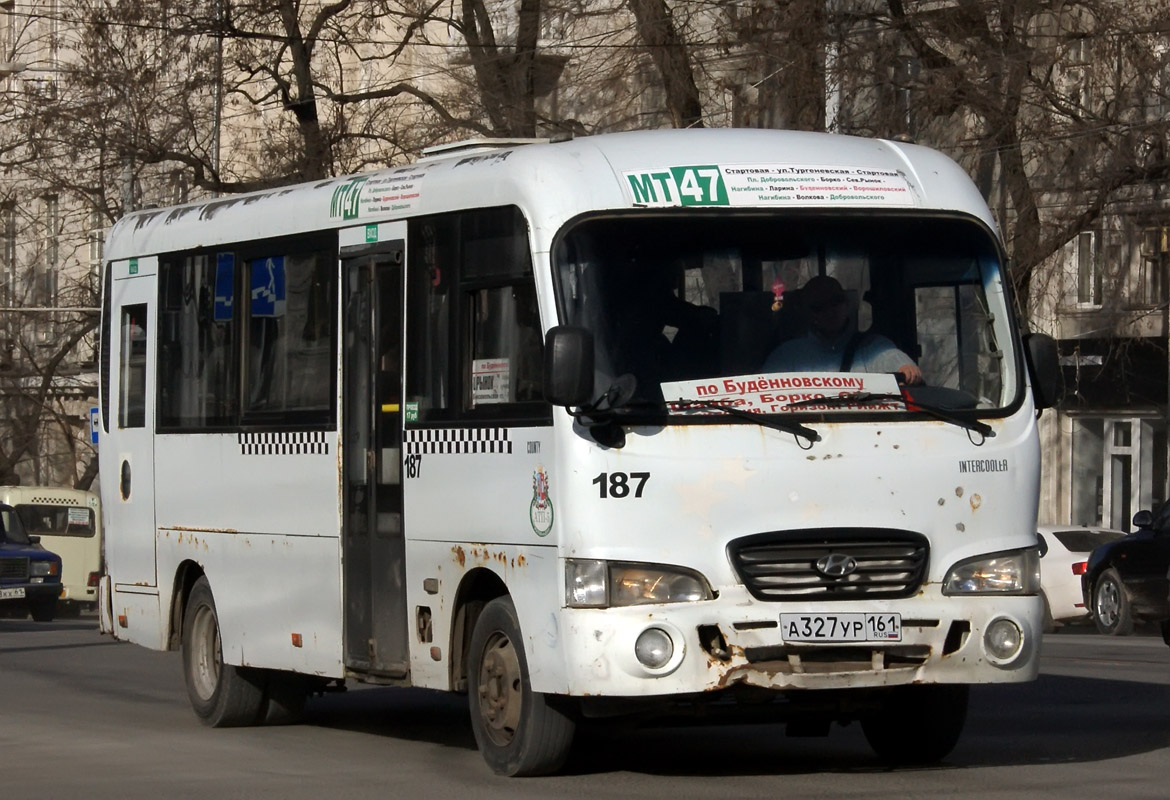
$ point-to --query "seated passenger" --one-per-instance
(833, 343)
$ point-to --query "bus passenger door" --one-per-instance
(126, 452)
(373, 547)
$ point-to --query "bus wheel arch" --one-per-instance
(185, 577)
(478, 588)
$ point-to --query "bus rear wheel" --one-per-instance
(285, 694)
(917, 724)
(43, 609)
(518, 731)
(222, 695)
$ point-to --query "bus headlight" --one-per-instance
(1013, 572)
(601, 584)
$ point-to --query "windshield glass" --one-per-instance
(40, 518)
(11, 529)
(721, 309)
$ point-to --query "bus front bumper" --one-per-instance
(738, 641)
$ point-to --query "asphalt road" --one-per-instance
(84, 716)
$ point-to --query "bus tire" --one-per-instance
(285, 694)
(1111, 612)
(43, 609)
(518, 731)
(918, 724)
(222, 695)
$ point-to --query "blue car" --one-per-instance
(30, 576)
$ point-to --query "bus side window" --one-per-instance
(506, 347)
(432, 256)
(474, 338)
(288, 348)
(132, 367)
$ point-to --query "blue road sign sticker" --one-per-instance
(94, 424)
(268, 287)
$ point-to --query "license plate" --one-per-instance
(11, 594)
(848, 627)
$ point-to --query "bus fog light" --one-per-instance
(654, 648)
(1003, 639)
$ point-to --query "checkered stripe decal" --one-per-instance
(458, 441)
(293, 443)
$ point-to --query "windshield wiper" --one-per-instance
(767, 421)
(912, 405)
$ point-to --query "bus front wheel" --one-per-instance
(918, 724)
(518, 731)
(222, 695)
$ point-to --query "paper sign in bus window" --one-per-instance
(491, 380)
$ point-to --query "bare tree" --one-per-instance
(1048, 109)
(671, 57)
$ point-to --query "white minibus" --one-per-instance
(69, 522)
(526, 420)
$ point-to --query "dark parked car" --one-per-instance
(30, 576)
(1128, 580)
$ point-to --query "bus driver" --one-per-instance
(833, 344)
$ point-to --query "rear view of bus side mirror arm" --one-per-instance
(568, 366)
(1043, 359)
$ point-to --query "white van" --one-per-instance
(69, 522)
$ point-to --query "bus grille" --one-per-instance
(13, 567)
(854, 564)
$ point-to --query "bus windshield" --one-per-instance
(11, 529)
(721, 309)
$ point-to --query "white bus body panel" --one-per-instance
(279, 575)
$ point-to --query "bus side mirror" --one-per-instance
(1043, 359)
(568, 366)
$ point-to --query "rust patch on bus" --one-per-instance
(460, 556)
(483, 555)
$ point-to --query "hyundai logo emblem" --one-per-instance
(836, 565)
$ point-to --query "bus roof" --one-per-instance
(555, 181)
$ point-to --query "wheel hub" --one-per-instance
(1108, 603)
(500, 695)
(205, 657)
